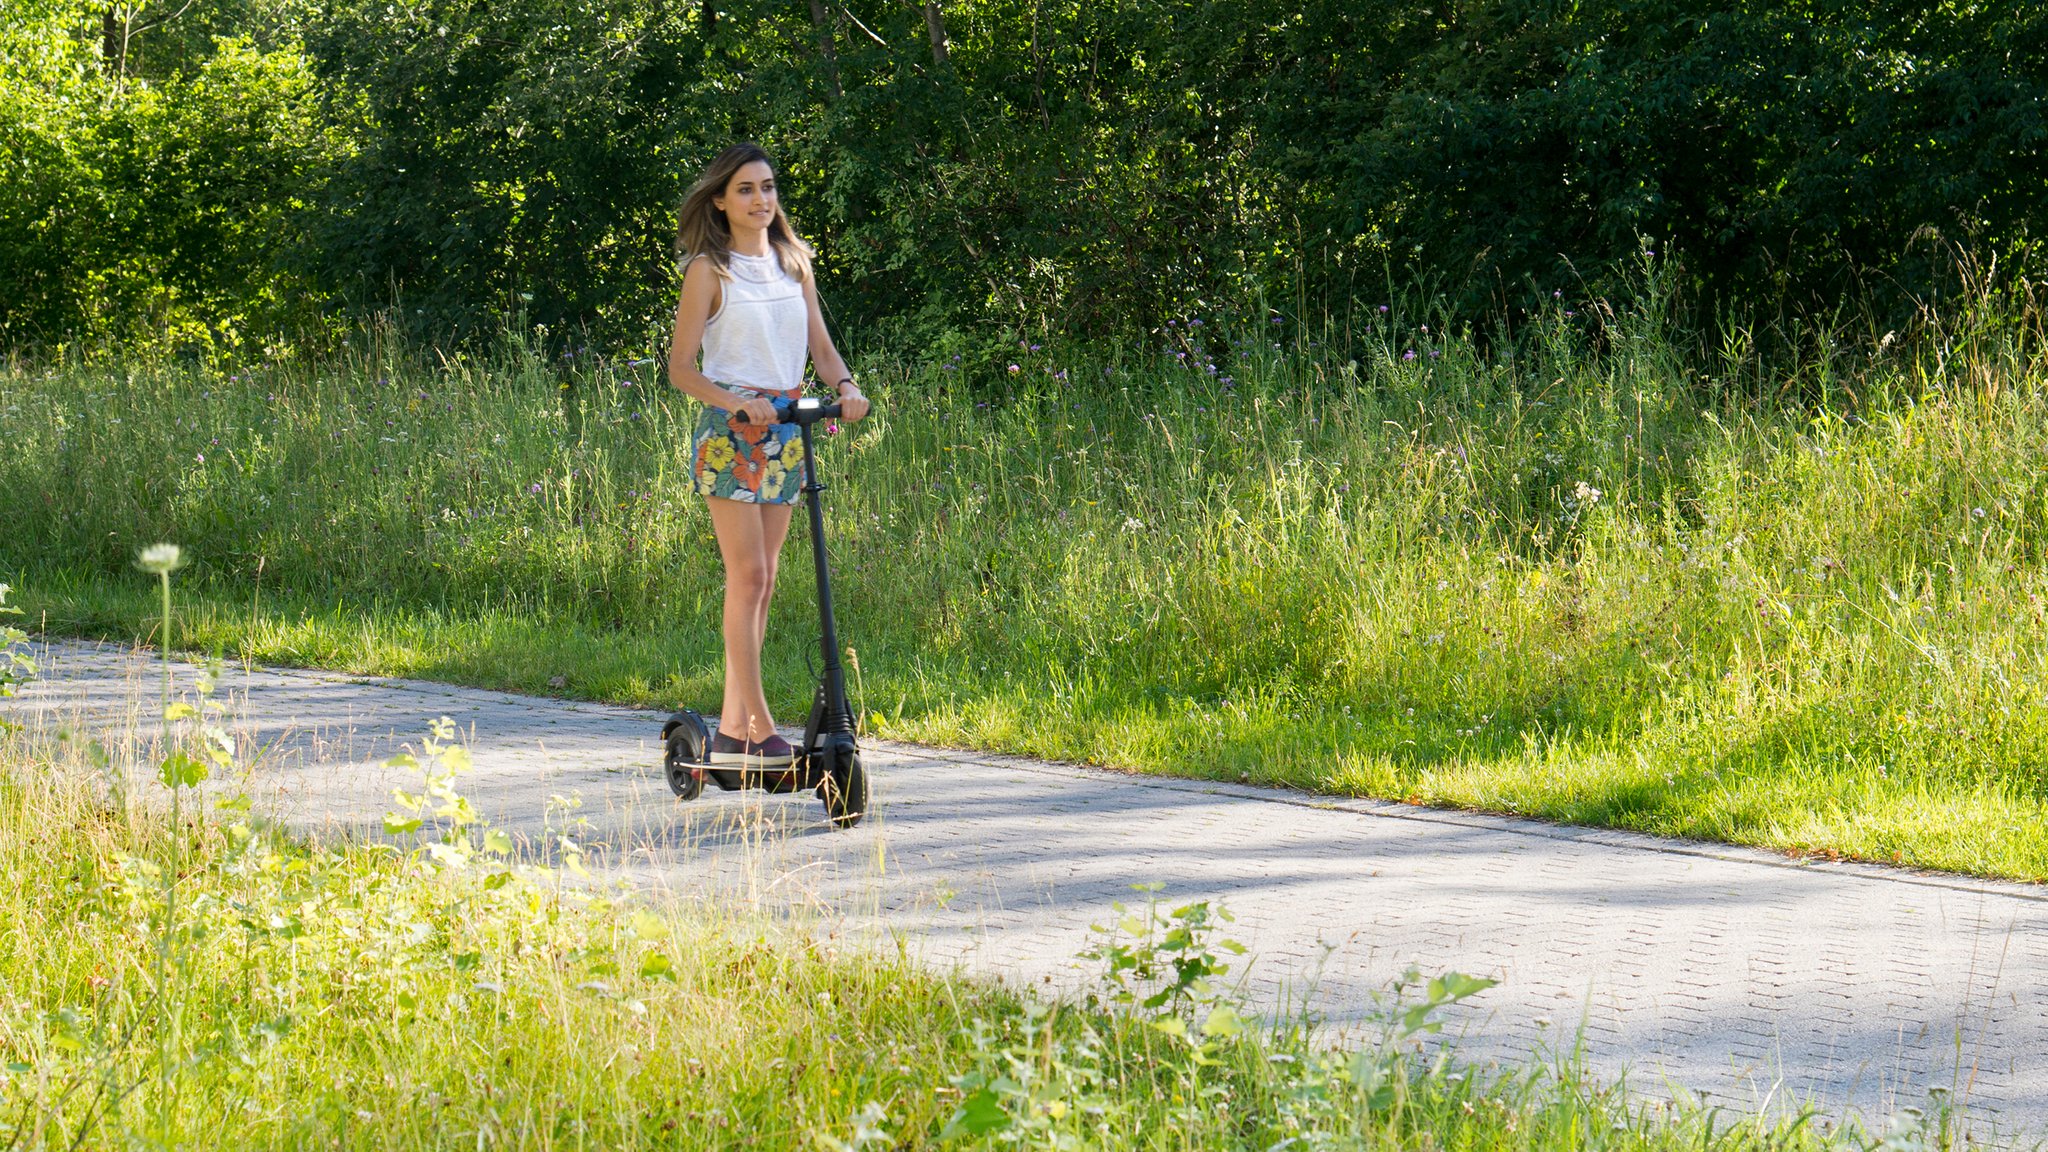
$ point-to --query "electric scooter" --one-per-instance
(828, 760)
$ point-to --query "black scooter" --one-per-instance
(828, 761)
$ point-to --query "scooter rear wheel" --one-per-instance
(685, 774)
(845, 792)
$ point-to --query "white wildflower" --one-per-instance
(160, 559)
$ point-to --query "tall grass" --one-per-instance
(1582, 573)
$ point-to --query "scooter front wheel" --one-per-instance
(845, 792)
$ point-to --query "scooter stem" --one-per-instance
(836, 719)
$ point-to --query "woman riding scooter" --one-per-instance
(750, 307)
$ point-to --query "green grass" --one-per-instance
(208, 983)
(1579, 576)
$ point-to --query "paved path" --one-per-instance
(1755, 980)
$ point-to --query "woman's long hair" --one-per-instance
(703, 230)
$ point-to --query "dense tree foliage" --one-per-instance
(233, 169)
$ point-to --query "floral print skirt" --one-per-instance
(750, 463)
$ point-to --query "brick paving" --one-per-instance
(1742, 976)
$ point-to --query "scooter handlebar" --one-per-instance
(798, 410)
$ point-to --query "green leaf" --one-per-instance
(1453, 986)
(648, 926)
(980, 1113)
(657, 966)
(396, 825)
(180, 771)
(1223, 1022)
(179, 711)
(498, 842)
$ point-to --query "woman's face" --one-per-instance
(749, 202)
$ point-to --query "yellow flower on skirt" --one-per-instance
(778, 479)
(717, 455)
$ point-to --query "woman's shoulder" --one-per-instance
(709, 262)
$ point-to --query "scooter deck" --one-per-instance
(800, 776)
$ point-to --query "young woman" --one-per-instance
(750, 306)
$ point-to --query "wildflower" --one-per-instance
(535, 490)
(201, 457)
(1034, 347)
(161, 559)
(1585, 494)
(1383, 309)
(1195, 323)
(1014, 369)
(1408, 355)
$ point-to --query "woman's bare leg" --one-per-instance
(750, 538)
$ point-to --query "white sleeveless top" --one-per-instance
(760, 337)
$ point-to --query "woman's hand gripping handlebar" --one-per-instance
(799, 411)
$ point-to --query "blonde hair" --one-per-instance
(703, 230)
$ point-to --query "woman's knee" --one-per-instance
(750, 579)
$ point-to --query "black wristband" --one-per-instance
(840, 387)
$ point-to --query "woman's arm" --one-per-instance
(825, 358)
(700, 299)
